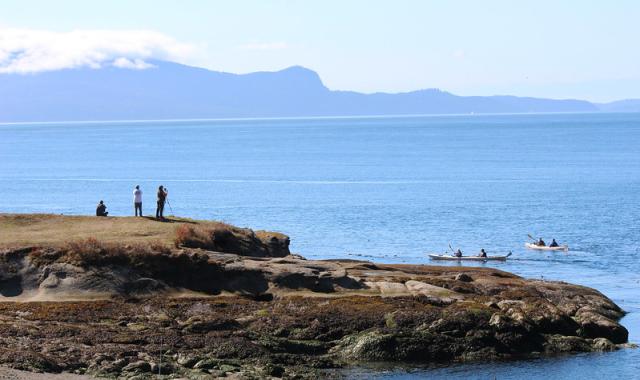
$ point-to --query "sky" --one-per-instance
(557, 49)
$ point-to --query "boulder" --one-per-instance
(138, 366)
(463, 277)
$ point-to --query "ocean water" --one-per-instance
(382, 189)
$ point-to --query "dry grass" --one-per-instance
(19, 230)
(226, 238)
(92, 252)
(56, 230)
(194, 236)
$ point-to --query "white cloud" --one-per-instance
(30, 51)
(264, 46)
(126, 63)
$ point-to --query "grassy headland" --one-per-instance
(129, 291)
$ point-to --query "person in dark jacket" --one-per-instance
(458, 253)
(101, 210)
(541, 243)
(482, 253)
(554, 243)
(162, 198)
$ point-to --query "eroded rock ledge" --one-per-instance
(124, 310)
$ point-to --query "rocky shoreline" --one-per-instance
(224, 301)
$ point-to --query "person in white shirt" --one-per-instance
(137, 200)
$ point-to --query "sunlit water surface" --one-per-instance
(382, 189)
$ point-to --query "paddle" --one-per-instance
(451, 248)
(531, 237)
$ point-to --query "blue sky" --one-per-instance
(559, 49)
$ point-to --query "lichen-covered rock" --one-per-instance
(138, 366)
(603, 344)
(186, 360)
(285, 333)
(560, 344)
(367, 346)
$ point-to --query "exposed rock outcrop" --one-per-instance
(136, 309)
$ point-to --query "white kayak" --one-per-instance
(564, 248)
(434, 256)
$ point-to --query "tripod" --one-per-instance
(170, 208)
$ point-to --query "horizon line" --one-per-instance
(336, 117)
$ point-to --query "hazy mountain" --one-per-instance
(174, 91)
(627, 105)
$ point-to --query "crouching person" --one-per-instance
(101, 210)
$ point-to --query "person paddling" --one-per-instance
(458, 253)
(162, 198)
(482, 253)
(540, 243)
(554, 243)
(101, 210)
(137, 200)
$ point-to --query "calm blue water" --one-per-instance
(383, 189)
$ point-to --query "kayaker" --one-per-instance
(458, 253)
(482, 253)
(541, 243)
(554, 243)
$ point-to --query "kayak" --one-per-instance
(564, 248)
(468, 258)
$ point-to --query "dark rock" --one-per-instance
(597, 326)
(162, 368)
(272, 370)
(207, 364)
(463, 277)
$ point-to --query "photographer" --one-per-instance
(162, 198)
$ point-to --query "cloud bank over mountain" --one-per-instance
(25, 51)
(129, 74)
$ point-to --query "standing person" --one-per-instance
(162, 197)
(101, 210)
(137, 200)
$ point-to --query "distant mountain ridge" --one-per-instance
(175, 91)
(627, 105)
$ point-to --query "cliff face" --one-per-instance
(122, 309)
